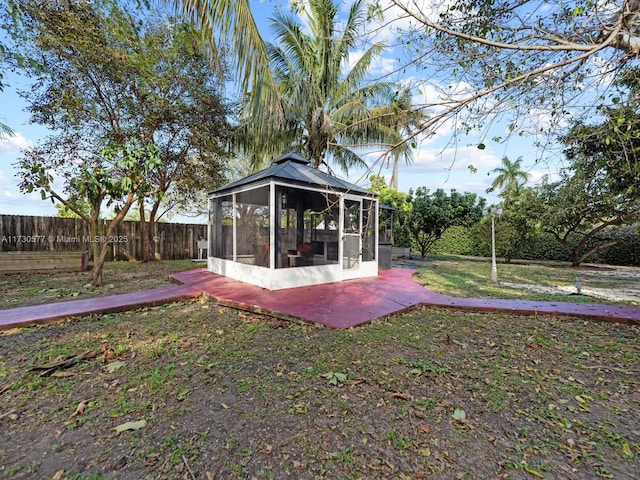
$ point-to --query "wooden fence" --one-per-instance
(171, 241)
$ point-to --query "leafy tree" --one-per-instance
(510, 178)
(93, 165)
(178, 105)
(80, 204)
(401, 209)
(599, 189)
(327, 109)
(611, 145)
(113, 79)
(115, 175)
(579, 206)
(490, 59)
(433, 213)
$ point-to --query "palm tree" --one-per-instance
(231, 25)
(510, 178)
(329, 110)
(399, 120)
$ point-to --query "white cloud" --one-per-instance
(536, 176)
(14, 144)
(430, 160)
(27, 204)
(387, 65)
(395, 18)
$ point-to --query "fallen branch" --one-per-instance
(66, 363)
(7, 414)
(401, 396)
(6, 387)
(186, 464)
(451, 340)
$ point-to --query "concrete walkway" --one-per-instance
(51, 312)
(337, 305)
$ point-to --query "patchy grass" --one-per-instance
(17, 290)
(225, 394)
(469, 277)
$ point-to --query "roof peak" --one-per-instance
(291, 157)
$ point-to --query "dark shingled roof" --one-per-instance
(294, 169)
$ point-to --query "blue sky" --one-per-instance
(441, 161)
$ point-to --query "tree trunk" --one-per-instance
(98, 265)
(393, 183)
(145, 237)
(101, 243)
(96, 272)
(595, 250)
(151, 228)
(94, 229)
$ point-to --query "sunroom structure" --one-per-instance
(291, 225)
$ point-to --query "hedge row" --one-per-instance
(463, 241)
(459, 241)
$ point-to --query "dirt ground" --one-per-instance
(196, 391)
(612, 283)
(596, 274)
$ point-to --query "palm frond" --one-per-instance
(230, 24)
(6, 131)
(346, 158)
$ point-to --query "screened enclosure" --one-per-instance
(292, 225)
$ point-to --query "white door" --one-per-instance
(351, 238)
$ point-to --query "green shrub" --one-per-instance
(627, 249)
(544, 246)
(625, 252)
(456, 241)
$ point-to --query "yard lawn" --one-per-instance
(203, 391)
(458, 276)
(196, 390)
(19, 290)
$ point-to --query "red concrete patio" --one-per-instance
(353, 302)
(337, 305)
